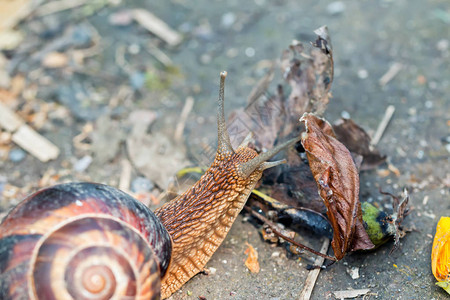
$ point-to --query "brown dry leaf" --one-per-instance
(252, 260)
(309, 73)
(358, 141)
(310, 80)
(338, 182)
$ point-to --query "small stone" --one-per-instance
(232, 52)
(212, 270)
(250, 52)
(363, 74)
(82, 164)
(137, 80)
(141, 184)
(55, 60)
(121, 18)
(17, 155)
(205, 59)
(336, 8)
(134, 49)
(345, 115)
(228, 19)
(443, 45)
(353, 272)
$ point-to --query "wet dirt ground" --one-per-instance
(368, 38)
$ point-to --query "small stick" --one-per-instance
(159, 55)
(125, 176)
(26, 137)
(313, 274)
(157, 26)
(58, 6)
(383, 124)
(390, 74)
(277, 231)
(183, 117)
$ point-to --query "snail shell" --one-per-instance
(82, 241)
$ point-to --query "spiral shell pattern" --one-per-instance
(82, 241)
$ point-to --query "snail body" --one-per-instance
(92, 241)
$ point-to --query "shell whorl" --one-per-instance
(82, 241)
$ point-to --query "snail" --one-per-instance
(93, 241)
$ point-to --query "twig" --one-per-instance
(26, 137)
(156, 26)
(120, 60)
(351, 293)
(383, 124)
(390, 74)
(278, 232)
(159, 55)
(183, 117)
(125, 176)
(313, 274)
(57, 6)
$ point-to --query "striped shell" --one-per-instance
(82, 241)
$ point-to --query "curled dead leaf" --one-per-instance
(338, 181)
(252, 260)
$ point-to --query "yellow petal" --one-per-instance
(444, 285)
(440, 254)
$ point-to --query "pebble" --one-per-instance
(137, 80)
(17, 155)
(353, 272)
(443, 45)
(134, 49)
(250, 52)
(275, 254)
(141, 184)
(228, 19)
(121, 18)
(363, 74)
(336, 8)
(82, 164)
(205, 59)
(345, 114)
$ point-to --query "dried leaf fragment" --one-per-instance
(440, 254)
(358, 141)
(252, 260)
(338, 181)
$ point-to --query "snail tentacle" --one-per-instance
(224, 144)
